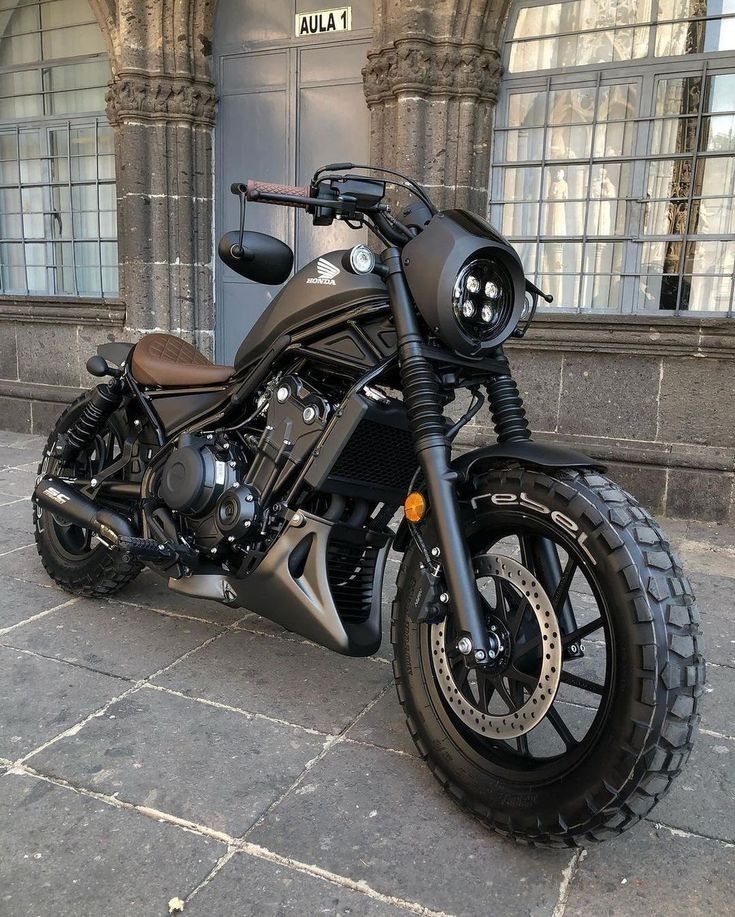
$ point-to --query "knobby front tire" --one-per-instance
(642, 730)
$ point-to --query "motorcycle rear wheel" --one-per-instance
(70, 556)
(624, 712)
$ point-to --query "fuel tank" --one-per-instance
(321, 289)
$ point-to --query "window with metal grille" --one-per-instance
(614, 152)
(58, 210)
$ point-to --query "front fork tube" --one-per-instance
(544, 561)
(423, 402)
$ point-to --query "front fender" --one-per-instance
(525, 452)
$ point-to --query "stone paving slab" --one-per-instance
(42, 697)
(20, 600)
(652, 871)
(108, 637)
(702, 798)
(23, 563)
(15, 456)
(210, 766)
(71, 856)
(249, 886)
(716, 603)
(18, 482)
(293, 681)
(16, 525)
(384, 725)
(25, 441)
(718, 701)
(382, 818)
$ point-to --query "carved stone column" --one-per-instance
(162, 106)
(431, 83)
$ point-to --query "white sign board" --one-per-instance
(321, 21)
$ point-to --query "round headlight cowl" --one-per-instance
(483, 299)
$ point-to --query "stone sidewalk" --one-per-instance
(153, 746)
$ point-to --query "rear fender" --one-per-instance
(548, 456)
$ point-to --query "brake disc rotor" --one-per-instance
(519, 721)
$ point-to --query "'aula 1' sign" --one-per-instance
(338, 20)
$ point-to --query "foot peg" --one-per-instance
(150, 551)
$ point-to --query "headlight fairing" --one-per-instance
(467, 281)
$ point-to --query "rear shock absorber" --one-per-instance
(506, 408)
(103, 403)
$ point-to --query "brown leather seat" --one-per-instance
(162, 359)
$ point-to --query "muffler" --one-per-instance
(68, 504)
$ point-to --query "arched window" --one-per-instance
(58, 219)
(614, 159)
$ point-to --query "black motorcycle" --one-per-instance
(544, 633)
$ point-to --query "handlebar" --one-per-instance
(272, 193)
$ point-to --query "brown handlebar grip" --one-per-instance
(255, 187)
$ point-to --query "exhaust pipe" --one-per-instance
(70, 505)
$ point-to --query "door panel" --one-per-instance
(287, 106)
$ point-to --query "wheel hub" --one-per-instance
(528, 713)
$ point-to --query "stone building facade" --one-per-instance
(651, 393)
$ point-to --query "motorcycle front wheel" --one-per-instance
(578, 726)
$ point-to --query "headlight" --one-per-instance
(483, 299)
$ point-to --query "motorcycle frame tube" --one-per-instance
(421, 395)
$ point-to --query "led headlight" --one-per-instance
(483, 299)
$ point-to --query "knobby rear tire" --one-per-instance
(653, 715)
(98, 571)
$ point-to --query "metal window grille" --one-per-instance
(615, 179)
(58, 209)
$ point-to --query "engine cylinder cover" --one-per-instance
(193, 478)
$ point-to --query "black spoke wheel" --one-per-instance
(620, 722)
(530, 671)
(73, 558)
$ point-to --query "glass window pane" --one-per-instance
(567, 183)
(715, 176)
(107, 197)
(572, 106)
(618, 102)
(602, 291)
(674, 135)
(721, 93)
(560, 257)
(710, 257)
(713, 216)
(569, 142)
(108, 224)
(563, 287)
(21, 107)
(517, 146)
(72, 42)
(519, 220)
(526, 109)
(20, 49)
(19, 20)
(62, 13)
(706, 294)
(9, 173)
(718, 133)
(518, 184)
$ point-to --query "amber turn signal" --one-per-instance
(414, 506)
